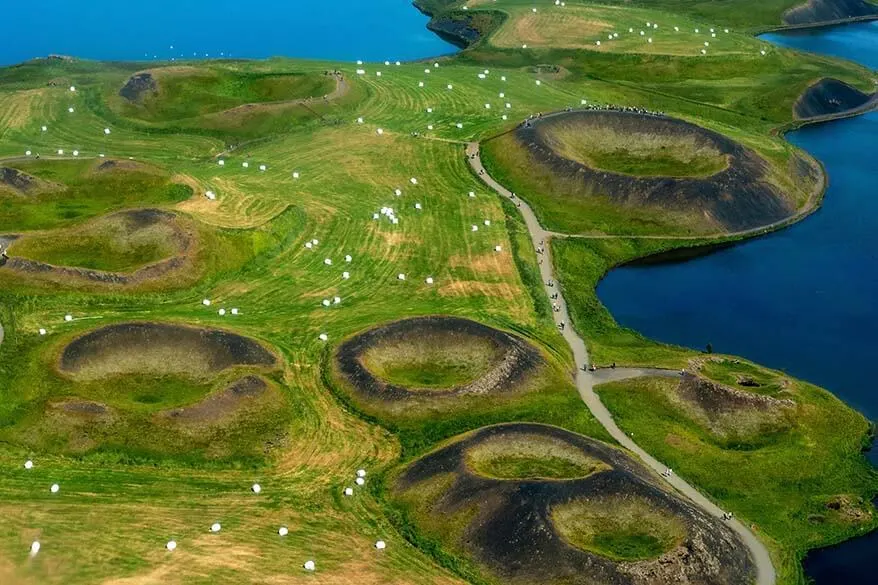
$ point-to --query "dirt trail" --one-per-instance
(586, 380)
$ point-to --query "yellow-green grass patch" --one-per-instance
(621, 528)
(115, 243)
(176, 93)
(636, 153)
(434, 361)
(531, 457)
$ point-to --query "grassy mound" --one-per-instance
(120, 242)
(177, 93)
(88, 189)
(768, 467)
(159, 349)
(622, 529)
(609, 525)
(738, 419)
(153, 391)
(166, 417)
(530, 457)
(16, 182)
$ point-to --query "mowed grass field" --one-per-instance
(326, 174)
(345, 175)
(617, 29)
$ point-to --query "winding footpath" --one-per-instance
(587, 380)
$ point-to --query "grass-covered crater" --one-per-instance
(637, 151)
(159, 349)
(121, 242)
(175, 93)
(434, 357)
(530, 457)
(596, 170)
(60, 193)
(154, 390)
(608, 520)
(619, 528)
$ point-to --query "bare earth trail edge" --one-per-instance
(587, 380)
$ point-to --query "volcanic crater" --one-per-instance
(576, 529)
(434, 357)
(729, 187)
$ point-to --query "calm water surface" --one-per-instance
(348, 30)
(804, 299)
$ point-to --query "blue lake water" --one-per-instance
(352, 29)
(856, 42)
(805, 299)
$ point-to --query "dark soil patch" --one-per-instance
(21, 182)
(111, 165)
(829, 96)
(816, 11)
(508, 526)
(220, 405)
(82, 407)
(736, 198)
(518, 358)
(137, 86)
(183, 240)
(161, 349)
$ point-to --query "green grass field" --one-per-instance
(190, 92)
(132, 477)
(620, 529)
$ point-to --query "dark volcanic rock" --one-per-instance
(817, 11)
(829, 96)
(138, 85)
(457, 31)
(19, 181)
(512, 532)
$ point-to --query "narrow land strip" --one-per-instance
(586, 380)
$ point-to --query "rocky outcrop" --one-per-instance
(829, 96)
(137, 86)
